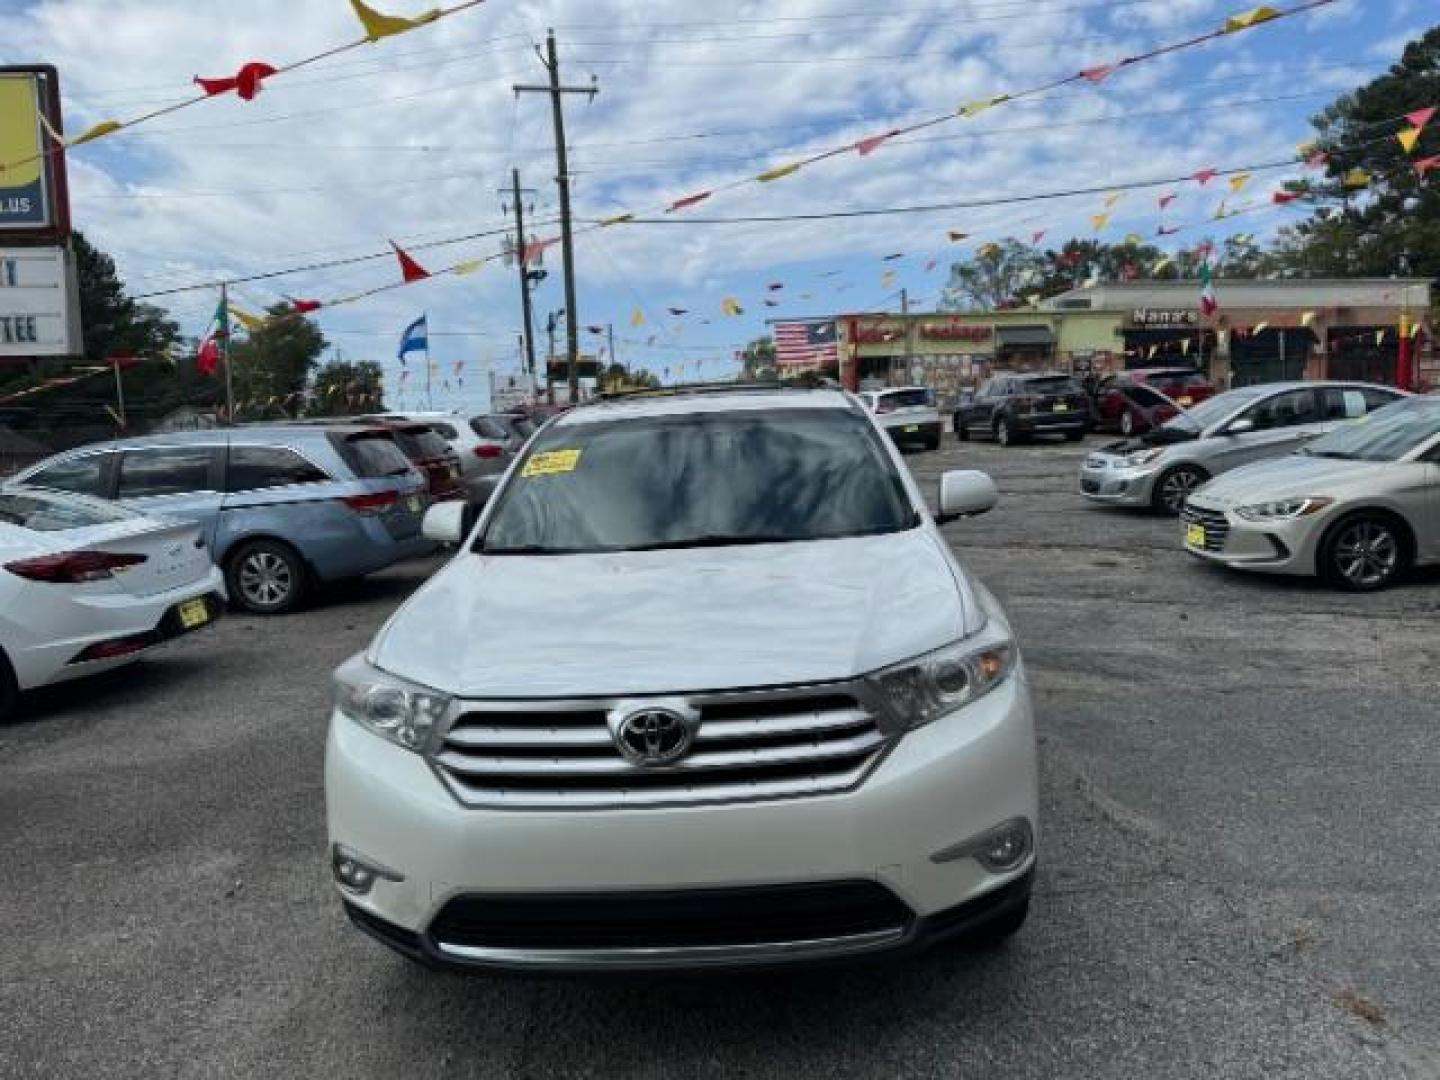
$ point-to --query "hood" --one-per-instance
(673, 621)
(1295, 476)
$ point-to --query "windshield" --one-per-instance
(706, 479)
(1216, 408)
(1056, 384)
(905, 399)
(1387, 434)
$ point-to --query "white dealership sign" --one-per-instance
(39, 303)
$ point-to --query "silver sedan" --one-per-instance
(1357, 507)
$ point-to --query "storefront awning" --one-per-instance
(1024, 335)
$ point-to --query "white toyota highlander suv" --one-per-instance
(703, 687)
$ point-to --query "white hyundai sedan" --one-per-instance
(86, 586)
(704, 688)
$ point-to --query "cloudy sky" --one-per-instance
(410, 139)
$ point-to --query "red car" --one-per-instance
(1135, 401)
(429, 452)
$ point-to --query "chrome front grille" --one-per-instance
(747, 745)
(1215, 523)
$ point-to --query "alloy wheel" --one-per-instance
(266, 580)
(1176, 486)
(1367, 554)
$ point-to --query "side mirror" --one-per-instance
(965, 493)
(445, 522)
(1240, 427)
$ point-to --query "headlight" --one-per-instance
(921, 690)
(1282, 509)
(1144, 457)
(392, 708)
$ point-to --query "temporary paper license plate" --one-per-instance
(911, 427)
(193, 613)
(1195, 535)
(413, 504)
(1062, 406)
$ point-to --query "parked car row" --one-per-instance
(113, 548)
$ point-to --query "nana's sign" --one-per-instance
(1164, 317)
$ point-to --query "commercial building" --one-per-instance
(1263, 331)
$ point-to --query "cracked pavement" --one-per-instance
(1238, 876)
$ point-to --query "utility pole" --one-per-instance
(224, 332)
(567, 247)
(909, 337)
(610, 337)
(550, 357)
(517, 193)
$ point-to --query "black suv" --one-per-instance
(1013, 407)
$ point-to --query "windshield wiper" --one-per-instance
(531, 549)
(1338, 455)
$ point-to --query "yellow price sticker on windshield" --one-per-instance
(551, 463)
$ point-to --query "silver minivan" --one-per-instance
(1253, 423)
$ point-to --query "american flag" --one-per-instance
(805, 344)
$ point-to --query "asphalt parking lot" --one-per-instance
(1240, 867)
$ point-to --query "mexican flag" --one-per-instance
(207, 360)
(1209, 303)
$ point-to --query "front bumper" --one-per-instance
(1276, 547)
(939, 786)
(1110, 480)
(919, 431)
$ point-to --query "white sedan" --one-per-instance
(86, 586)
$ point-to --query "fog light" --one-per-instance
(356, 874)
(1002, 848)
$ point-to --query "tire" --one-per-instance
(266, 577)
(1074, 436)
(1364, 552)
(1003, 435)
(961, 431)
(933, 443)
(1173, 487)
(994, 934)
(1127, 423)
(9, 691)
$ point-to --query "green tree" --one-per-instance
(1390, 225)
(114, 324)
(272, 365)
(347, 388)
(996, 276)
(757, 361)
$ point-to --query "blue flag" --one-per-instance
(415, 339)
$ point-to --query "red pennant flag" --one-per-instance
(1204, 176)
(1424, 165)
(870, 145)
(1280, 198)
(1167, 199)
(534, 250)
(304, 307)
(1420, 117)
(930, 266)
(689, 200)
(1037, 236)
(245, 82)
(410, 270)
(1099, 73)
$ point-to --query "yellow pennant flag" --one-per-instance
(1134, 238)
(1111, 200)
(1261, 327)
(638, 318)
(1246, 19)
(1238, 182)
(1306, 318)
(99, 131)
(1357, 178)
(1099, 221)
(250, 322)
(618, 219)
(378, 25)
(778, 174)
(975, 108)
(731, 306)
(986, 251)
(1408, 138)
(1162, 264)
(469, 266)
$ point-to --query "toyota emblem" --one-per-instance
(653, 736)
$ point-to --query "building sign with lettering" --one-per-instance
(39, 305)
(956, 331)
(1163, 318)
(33, 202)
